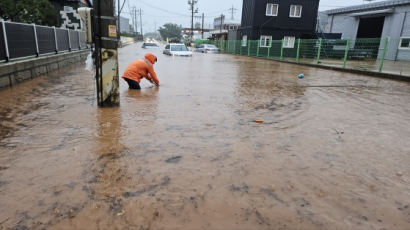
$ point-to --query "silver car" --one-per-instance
(206, 48)
(176, 49)
(150, 45)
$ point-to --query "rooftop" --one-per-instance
(370, 6)
(233, 22)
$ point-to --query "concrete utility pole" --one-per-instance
(203, 21)
(232, 9)
(192, 4)
(140, 12)
(222, 23)
(135, 20)
(119, 18)
(106, 43)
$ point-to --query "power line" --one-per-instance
(173, 16)
(164, 10)
(179, 14)
(157, 16)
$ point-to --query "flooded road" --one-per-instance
(333, 151)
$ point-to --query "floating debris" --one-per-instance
(175, 159)
(121, 213)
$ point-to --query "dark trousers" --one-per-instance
(132, 84)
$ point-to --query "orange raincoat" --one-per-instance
(143, 68)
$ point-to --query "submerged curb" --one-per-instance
(12, 73)
(346, 70)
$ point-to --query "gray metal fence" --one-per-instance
(19, 40)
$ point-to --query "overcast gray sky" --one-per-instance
(158, 12)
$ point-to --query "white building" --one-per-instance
(125, 25)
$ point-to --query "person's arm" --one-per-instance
(153, 75)
(149, 78)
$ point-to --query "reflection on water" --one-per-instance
(188, 155)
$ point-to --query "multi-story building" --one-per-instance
(124, 25)
(223, 27)
(268, 20)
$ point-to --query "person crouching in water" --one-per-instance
(143, 68)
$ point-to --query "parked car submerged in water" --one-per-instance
(206, 48)
(177, 50)
(150, 45)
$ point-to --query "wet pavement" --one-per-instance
(333, 150)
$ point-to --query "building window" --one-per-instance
(404, 43)
(244, 40)
(295, 11)
(232, 28)
(272, 9)
(266, 41)
(288, 42)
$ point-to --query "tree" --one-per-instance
(154, 35)
(131, 27)
(170, 30)
(40, 12)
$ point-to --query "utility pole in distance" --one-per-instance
(140, 12)
(119, 7)
(232, 9)
(203, 20)
(191, 4)
(222, 23)
(135, 20)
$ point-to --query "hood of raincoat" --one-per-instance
(151, 58)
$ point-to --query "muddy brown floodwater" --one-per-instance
(333, 151)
